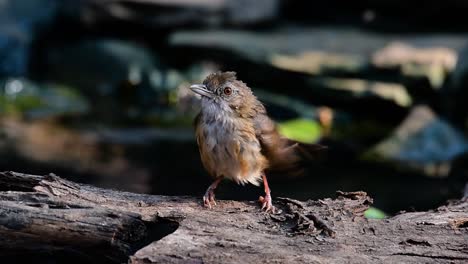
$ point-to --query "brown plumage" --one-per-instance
(237, 140)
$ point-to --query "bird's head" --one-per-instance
(223, 92)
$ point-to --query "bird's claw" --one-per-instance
(209, 199)
(266, 204)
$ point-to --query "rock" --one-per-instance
(398, 54)
(245, 12)
(316, 62)
(424, 142)
(310, 45)
(333, 52)
(354, 88)
(163, 14)
(262, 48)
(433, 63)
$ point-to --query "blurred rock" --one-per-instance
(19, 22)
(292, 41)
(328, 51)
(320, 42)
(163, 14)
(431, 62)
(423, 142)
(286, 59)
(397, 54)
(353, 89)
(316, 63)
(28, 99)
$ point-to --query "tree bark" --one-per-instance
(45, 218)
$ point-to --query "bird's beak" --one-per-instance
(201, 90)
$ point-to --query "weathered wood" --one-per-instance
(50, 214)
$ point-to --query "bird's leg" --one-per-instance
(209, 197)
(266, 201)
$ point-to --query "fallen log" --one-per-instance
(47, 218)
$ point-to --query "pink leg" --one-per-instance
(209, 197)
(266, 201)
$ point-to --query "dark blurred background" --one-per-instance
(97, 91)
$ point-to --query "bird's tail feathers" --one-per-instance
(294, 156)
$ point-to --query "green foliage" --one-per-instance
(302, 130)
(18, 105)
(374, 213)
(23, 97)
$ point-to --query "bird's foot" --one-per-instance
(209, 199)
(266, 203)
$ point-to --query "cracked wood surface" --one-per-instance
(82, 222)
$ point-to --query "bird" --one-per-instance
(237, 140)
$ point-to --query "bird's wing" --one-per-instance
(283, 154)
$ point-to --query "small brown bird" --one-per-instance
(237, 140)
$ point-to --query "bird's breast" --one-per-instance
(229, 148)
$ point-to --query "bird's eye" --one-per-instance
(227, 90)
